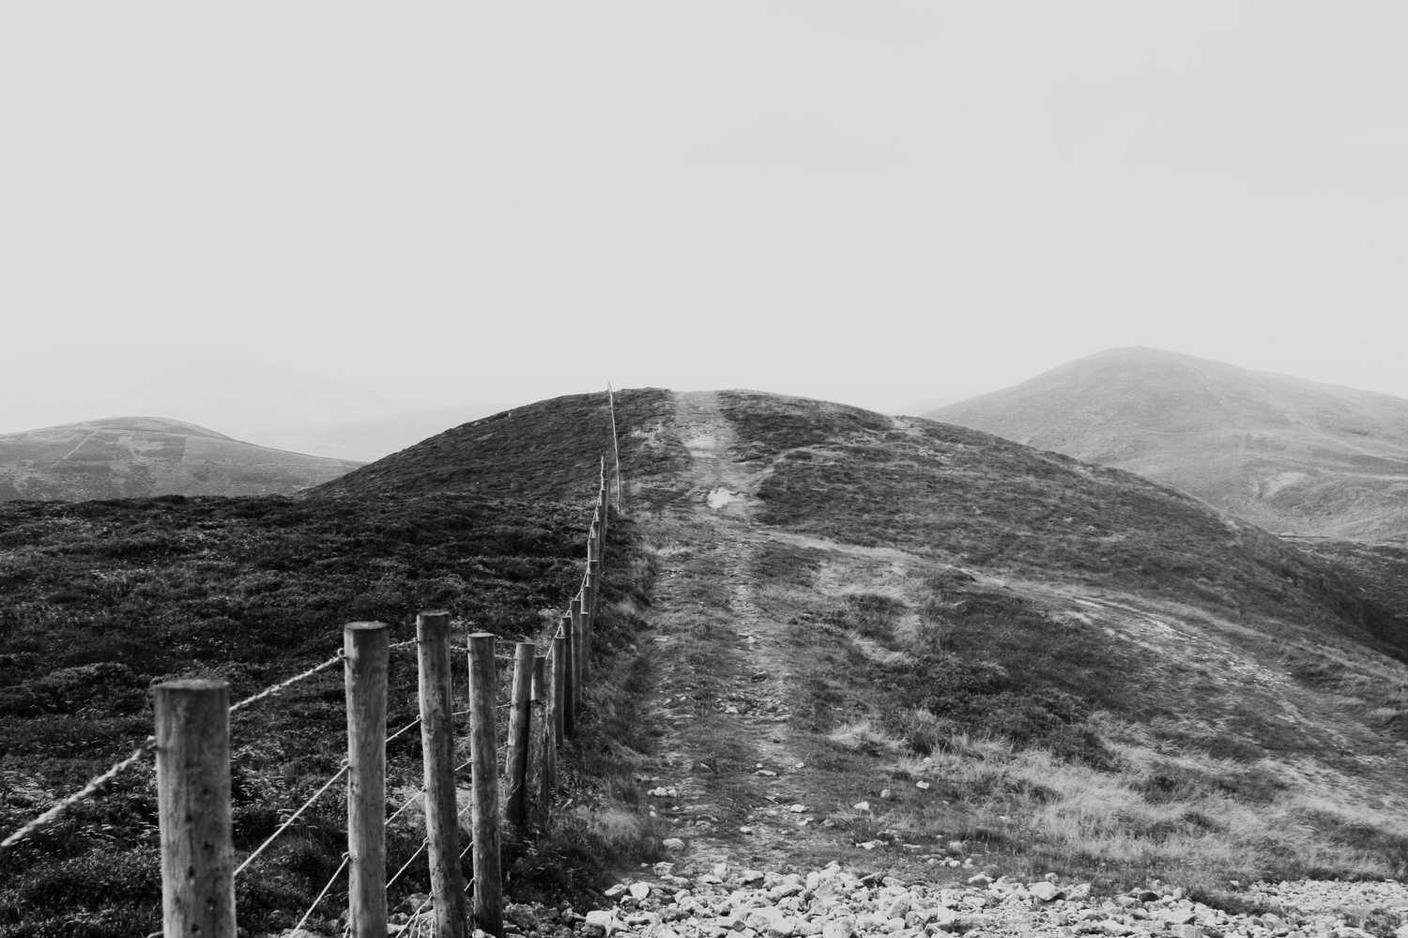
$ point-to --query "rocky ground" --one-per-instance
(834, 902)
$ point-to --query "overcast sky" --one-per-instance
(251, 215)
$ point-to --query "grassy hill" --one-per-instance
(137, 457)
(1091, 672)
(1287, 454)
(99, 599)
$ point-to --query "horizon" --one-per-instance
(896, 206)
(410, 424)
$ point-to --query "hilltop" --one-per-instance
(136, 457)
(1059, 666)
(914, 649)
(1287, 454)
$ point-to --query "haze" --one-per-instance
(272, 219)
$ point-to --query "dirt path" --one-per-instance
(729, 774)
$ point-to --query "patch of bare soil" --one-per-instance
(732, 778)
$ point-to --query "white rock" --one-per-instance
(640, 890)
(604, 920)
(782, 927)
(1045, 891)
(922, 786)
(672, 844)
(798, 808)
(861, 806)
(942, 917)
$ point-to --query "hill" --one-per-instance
(935, 643)
(136, 457)
(906, 646)
(1287, 454)
(100, 599)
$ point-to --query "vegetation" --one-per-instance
(1093, 673)
(99, 600)
(135, 457)
(1281, 452)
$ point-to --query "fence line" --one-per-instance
(193, 764)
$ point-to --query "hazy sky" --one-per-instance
(251, 215)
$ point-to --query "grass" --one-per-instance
(140, 457)
(1095, 674)
(98, 600)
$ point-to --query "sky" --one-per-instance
(282, 219)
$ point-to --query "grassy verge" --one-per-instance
(1089, 674)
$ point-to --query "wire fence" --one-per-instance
(510, 706)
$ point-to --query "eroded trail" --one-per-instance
(732, 779)
(728, 776)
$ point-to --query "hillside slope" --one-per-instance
(1287, 454)
(100, 599)
(828, 635)
(894, 643)
(138, 457)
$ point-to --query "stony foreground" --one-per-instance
(835, 903)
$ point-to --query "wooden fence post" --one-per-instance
(559, 685)
(587, 622)
(484, 813)
(519, 728)
(569, 676)
(579, 653)
(193, 806)
(594, 556)
(542, 746)
(365, 648)
(438, 754)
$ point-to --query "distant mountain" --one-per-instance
(1291, 455)
(129, 457)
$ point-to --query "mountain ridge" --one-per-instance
(1293, 455)
(908, 647)
(137, 456)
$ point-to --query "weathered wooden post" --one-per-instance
(519, 727)
(588, 622)
(542, 745)
(438, 751)
(569, 676)
(579, 653)
(559, 684)
(484, 811)
(193, 808)
(594, 577)
(365, 648)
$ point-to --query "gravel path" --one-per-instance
(833, 902)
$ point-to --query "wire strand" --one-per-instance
(84, 793)
(271, 691)
(405, 729)
(407, 865)
(405, 806)
(293, 817)
(415, 917)
(318, 901)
